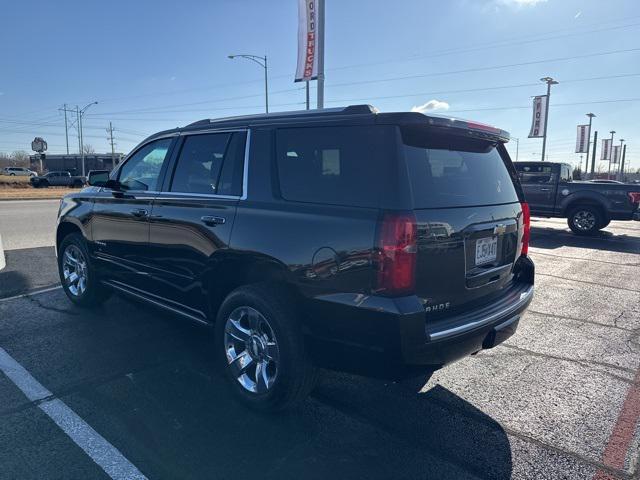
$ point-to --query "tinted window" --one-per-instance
(455, 171)
(333, 165)
(210, 164)
(233, 167)
(142, 170)
(535, 173)
(200, 163)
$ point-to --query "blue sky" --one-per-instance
(156, 65)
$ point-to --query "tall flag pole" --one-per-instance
(311, 45)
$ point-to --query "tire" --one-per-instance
(257, 324)
(44, 184)
(12, 174)
(73, 258)
(585, 220)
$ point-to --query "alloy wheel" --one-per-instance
(251, 349)
(584, 220)
(74, 270)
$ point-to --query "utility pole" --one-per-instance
(593, 155)
(610, 153)
(590, 115)
(624, 154)
(307, 92)
(66, 129)
(79, 134)
(320, 53)
(113, 152)
(549, 81)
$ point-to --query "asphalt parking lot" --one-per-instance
(560, 399)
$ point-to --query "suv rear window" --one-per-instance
(454, 171)
(334, 165)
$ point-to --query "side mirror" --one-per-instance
(98, 178)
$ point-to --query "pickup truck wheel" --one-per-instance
(261, 348)
(43, 184)
(77, 275)
(585, 220)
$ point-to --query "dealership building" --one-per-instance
(73, 163)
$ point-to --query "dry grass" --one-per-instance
(34, 193)
(7, 181)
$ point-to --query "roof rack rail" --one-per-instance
(349, 110)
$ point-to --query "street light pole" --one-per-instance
(262, 61)
(620, 172)
(586, 167)
(81, 114)
(612, 132)
(549, 81)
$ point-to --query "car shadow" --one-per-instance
(182, 420)
(552, 238)
(13, 283)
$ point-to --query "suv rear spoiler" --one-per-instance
(474, 129)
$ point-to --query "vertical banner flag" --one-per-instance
(582, 140)
(539, 113)
(307, 41)
(616, 154)
(606, 149)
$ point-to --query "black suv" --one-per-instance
(382, 244)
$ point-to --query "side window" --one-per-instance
(142, 170)
(535, 174)
(233, 168)
(566, 174)
(210, 164)
(334, 165)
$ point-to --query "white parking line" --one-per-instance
(29, 294)
(100, 450)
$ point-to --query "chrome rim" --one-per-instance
(584, 220)
(74, 270)
(251, 349)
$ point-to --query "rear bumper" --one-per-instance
(394, 338)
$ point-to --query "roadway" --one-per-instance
(559, 399)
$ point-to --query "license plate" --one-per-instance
(486, 250)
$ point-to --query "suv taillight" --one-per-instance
(634, 197)
(526, 223)
(396, 250)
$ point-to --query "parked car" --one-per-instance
(18, 172)
(382, 244)
(588, 206)
(58, 179)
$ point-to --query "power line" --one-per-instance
(482, 69)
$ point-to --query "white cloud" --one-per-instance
(521, 3)
(578, 14)
(430, 106)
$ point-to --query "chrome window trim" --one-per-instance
(245, 171)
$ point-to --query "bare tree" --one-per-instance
(88, 149)
(5, 160)
(20, 158)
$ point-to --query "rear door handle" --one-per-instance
(140, 213)
(545, 189)
(213, 221)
